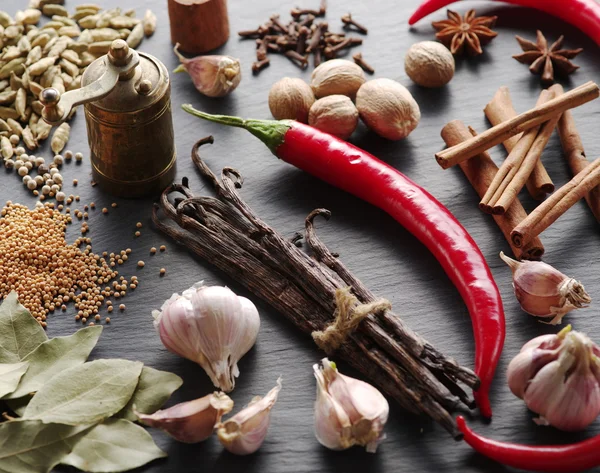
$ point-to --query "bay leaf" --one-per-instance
(10, 375)
(20, 333)
(113, 446)
(55, 356)
(19, 405)
(32, 446)
(153, 389)
(86, 394)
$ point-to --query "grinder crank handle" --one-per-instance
(120, 63)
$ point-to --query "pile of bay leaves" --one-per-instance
(65, 410)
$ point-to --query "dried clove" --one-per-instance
(260, 65)
(302, 35)
(315, 39)
(298, 59)
(358, 59)
(349, 21)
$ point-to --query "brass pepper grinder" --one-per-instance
(127, 97)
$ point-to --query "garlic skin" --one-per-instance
(213, 76)
(246, 431)
(192, 421)
(348, 411)
(558, 377)
(211, 326)
(543, 291)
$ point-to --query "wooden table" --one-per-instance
(387, 258)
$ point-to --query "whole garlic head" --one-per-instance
(558, 377)
(291, 98)
(348, 411)
(429, 64)
(211, 326)
(335, 114)
(388, 108)
(337, 77)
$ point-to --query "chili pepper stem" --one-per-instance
(270, 132)
(180, 68)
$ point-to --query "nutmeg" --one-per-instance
(337, 77)
(335, 114)
(387, 108)
(429, 64)
(291, 98)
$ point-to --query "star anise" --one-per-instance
(468, 33)
(546, 60)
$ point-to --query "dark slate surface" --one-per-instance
(376, 248)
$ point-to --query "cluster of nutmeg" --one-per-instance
(339, 94)
(214, 327)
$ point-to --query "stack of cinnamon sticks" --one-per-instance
(525, 136)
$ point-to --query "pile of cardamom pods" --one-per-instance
(55, 54)
(76, 405)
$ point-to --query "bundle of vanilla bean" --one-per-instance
(225, 231)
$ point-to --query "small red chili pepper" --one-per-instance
(350, 168)
(583, 14)
(570, 458)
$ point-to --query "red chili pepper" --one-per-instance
(570, 458)
(583, 14)
(350, 168)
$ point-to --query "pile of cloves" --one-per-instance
(303, 36)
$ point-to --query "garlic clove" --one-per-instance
(213, 76)
(246, 431)
(524, 366)
(211, 326)
(347, 411)
(192, 421)
(543, 291)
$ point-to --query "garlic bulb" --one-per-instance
(245, 432)
(544, 291)
(558, 377)
(192, 421)
(348, 411)
(214, 76)
(211, 326)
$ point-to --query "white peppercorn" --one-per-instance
(42, 169)
(39, 180)
(32, 185)
(26, 179)
(53, 171)
(68, 154)
(28, 165)
(59, 160)
(78, 156)
(46, 190)
(49, 182)
(9, 163)
(22, 171)
(55, 188)
(19, 163)
(57, 178)
(39, 161)
(60, 196)
(19, 150)
(14, 139)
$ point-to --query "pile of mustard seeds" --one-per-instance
(46, 272)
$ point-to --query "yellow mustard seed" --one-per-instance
(152, 251)
(114, 205)
(104, 210)
(110, 308)
(138, 225)
(122, 307)
(107, 320)
(141, 264)
(137, 234)
(163, 247)
(162, 271)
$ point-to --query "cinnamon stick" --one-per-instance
(556, 205)
(504, 180)
(500, 109)
(575, 155)
(479, 171)
(497, 134)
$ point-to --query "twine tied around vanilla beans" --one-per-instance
(348, 314)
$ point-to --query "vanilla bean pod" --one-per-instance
(225, 231)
